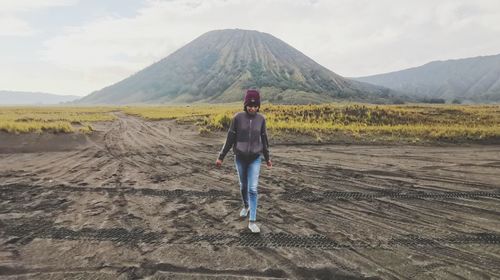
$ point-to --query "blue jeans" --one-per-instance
(248, 173)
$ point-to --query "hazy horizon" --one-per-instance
(72, 47)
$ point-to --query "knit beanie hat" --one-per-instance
(252, 97)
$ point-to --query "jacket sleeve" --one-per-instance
(265, 142)
(230, 140)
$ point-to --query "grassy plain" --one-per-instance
(52, 119)
(415, 122)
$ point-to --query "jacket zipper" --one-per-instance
(249, 136)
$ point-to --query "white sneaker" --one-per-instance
(244, 212)
(254, 228)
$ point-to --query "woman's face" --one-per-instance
(252, 109)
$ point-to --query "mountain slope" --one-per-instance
(219, 65)
(33, 98)
(471, 79)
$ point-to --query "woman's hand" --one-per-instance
(218, 163)
(269, 164)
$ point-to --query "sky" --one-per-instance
(74, 47)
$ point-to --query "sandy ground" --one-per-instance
(143, 200)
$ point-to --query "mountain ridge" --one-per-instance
(8, 97)
(473, 79)
(219, 65)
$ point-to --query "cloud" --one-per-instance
(12, 22)
(352, 38)
(11, 26)
(9, 6)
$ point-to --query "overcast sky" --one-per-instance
(78, 46)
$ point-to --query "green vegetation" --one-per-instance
(390, 122)
(51, 119)
(180, 112)
(326, 122)
(209, 117)
(355, 121)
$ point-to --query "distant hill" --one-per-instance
(33, 98)
(219, 65)
(466, 80)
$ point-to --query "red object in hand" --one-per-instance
(218, 163)
(269, 164)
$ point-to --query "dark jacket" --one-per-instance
(247, 136)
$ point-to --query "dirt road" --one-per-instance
(143, 199)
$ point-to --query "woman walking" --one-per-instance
(247, 136)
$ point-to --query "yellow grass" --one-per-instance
(417, 122)
(414, 122)
(51, 119)
(180, 112)
(208, 116)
